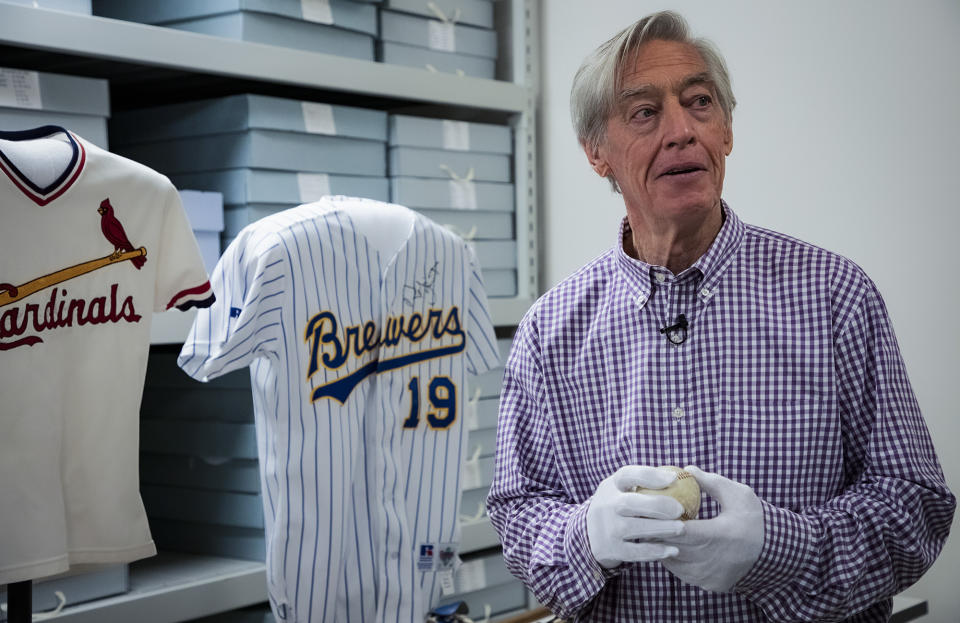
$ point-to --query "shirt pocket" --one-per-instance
(790, 452)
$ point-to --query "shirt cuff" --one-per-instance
(576, 546)
(788, 547)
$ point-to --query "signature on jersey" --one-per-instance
(420, 289)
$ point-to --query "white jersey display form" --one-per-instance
(92, 244)
(360, 321)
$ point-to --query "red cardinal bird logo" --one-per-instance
(114, 233)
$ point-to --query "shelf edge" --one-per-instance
(155, 46)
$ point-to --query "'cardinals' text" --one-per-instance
(61, 311)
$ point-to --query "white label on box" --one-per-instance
(441, 36)
(313, 186)
(471, 576)
(463, 195)
(456, 135)
(318, 118)
(20, 88)
(316, 11)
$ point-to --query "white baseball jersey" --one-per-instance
(359, 320)
(92, 243)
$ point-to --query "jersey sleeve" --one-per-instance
(243, 323)
(181, 276)
(482, 353)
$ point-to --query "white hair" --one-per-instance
(593, 97)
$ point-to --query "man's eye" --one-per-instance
(644, 113)
(702, 100)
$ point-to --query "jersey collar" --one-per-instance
(44, 195)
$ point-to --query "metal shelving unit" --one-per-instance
(153, 65)
(144, 47)
(149, 65)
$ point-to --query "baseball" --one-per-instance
(684, 490)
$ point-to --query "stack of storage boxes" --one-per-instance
(482, 581)
(458, 174)
(480, 419)
(30, 99)
(338, 27)
(450, 36)
(199, 475)
(264, 154)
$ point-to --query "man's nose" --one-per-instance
(677, 130)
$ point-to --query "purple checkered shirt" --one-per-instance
(790, 381)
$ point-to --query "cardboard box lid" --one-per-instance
(449, 134)
(442, 163)
(342, 13)
(474, 12)
(283, 32)
(450, 194)
(446, 62)
(246, 112)
(474, 224)
(40, 90)
(91, 127)
(251, 186)
(262, 149)
(426, 32)
(494, 254)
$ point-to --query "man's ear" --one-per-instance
(728, 139)
(596, 159)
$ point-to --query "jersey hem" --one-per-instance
(112, 555)
(33, 570)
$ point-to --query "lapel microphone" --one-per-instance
(677, 332)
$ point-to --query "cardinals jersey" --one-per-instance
(359, 321)
(92, 244)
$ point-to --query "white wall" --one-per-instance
(847, 134)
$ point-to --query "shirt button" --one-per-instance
(660, 277)
(706, 292)
(677, 413)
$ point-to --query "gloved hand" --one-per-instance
(715, 554)
(620, 522)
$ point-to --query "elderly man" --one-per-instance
(766, 365)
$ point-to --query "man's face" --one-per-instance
(667, 140)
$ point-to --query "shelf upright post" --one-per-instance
(523, 55)
(20, 602)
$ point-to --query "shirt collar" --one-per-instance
(639, 275)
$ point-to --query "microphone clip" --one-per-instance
(677, 332)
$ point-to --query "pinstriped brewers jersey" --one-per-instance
(88, 253)
(359, 321)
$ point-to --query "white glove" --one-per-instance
(715, 554)
(619, 522)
